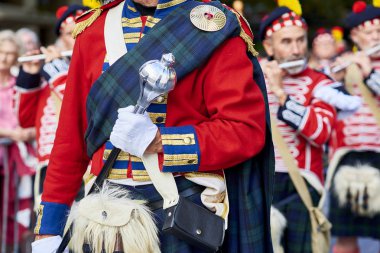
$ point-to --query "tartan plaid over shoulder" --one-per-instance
(117, 88)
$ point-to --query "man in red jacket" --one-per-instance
(299, 99)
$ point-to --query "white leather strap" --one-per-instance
(113, 34)
(163, 182)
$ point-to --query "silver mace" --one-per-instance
(157, 77)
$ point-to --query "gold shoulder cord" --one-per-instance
(248, 40)
(81, 26)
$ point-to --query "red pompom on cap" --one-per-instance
(359, 6)
(321, 30)
(61, 11)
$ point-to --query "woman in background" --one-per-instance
(16, 156)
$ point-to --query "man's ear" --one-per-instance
(354, 36)
(268, 46)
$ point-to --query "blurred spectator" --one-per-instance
(29, 39)
(16, 162)
(324, 49)
(65, 25)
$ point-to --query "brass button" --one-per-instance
(160, 119)
(187, 140)
(160, 99)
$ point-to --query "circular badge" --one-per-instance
(208, 18)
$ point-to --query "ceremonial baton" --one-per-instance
(157, 77)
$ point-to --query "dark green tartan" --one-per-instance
(346, 223)
(297, 235)
(250, 189)
(118, 86)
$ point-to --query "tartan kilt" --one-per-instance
(297, 234)
(344, 221)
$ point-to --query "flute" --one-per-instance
(368, 52)
(292, 64)
(39, 57)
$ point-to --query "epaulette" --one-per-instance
(247, 36)
(82, 25)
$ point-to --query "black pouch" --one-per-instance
(195, 225)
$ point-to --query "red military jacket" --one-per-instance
(360, 131)
(305, 122)
(39, 106)
(219, 101)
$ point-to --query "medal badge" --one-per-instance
(208, 18)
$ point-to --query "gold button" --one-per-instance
(160, 99)
(187, 140)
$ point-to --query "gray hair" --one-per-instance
(30, 32)
(9, 35)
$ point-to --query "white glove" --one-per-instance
(132, 132)
(47, 245)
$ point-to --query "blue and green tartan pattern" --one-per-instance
(191, 47)
(297, 234)
(250, 191)
(345, 223)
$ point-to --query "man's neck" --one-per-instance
(144, 10)
(147, 3)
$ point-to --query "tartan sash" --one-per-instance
(118, 86)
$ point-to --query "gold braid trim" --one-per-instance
(247, 39)
(81, 26)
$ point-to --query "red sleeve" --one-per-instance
(68, 161)
(318, 122)
(29, 89)
(27, 107)
(231, 127)
(236, 129)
